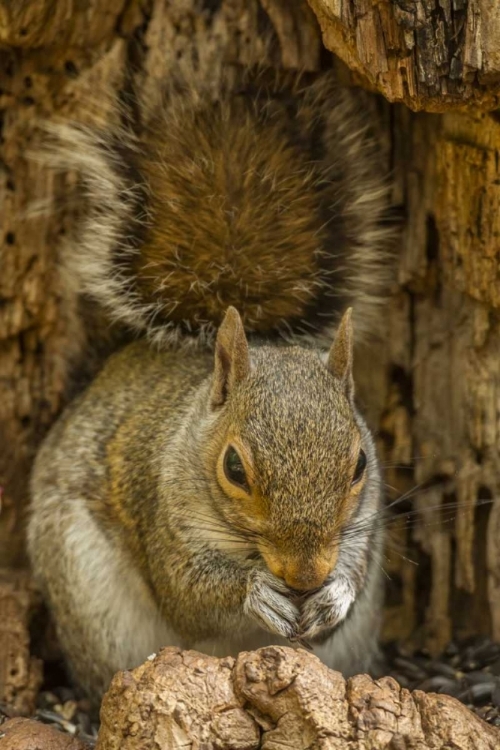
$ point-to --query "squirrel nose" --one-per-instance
(305, 577)
(299, 573)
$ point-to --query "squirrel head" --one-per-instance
(287, 453)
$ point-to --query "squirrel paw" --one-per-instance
(327, 607)
(267, 602)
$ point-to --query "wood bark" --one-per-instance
(434, 394)
(441, 416)
(430, 54)
(275, 698)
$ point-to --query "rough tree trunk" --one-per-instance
(436, 393)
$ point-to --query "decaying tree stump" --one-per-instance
(433, 388)
(275, 698)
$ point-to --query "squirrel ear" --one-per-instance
(340, 356)
(232, 360)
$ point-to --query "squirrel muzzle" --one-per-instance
(299, 573)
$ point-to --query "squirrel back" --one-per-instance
(267, 195)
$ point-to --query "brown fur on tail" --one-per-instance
(268, 197)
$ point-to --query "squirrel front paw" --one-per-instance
(326, 607)
(267, 601)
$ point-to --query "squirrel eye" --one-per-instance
(234, 470)
(360, 467)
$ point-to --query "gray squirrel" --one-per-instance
(215, 487)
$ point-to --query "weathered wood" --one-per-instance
(275, 698)
(446, 355)
(430, 54)
(39, 331)
(20, 673)
(63, 23)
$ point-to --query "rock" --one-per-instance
(25, 734)
(276, 698)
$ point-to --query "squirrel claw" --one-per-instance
(327, 607)
(301, 642)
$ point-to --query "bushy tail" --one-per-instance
(270, 196)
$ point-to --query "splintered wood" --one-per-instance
(444, 353)
(20, 673)
(432, 55)
(276, 698)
